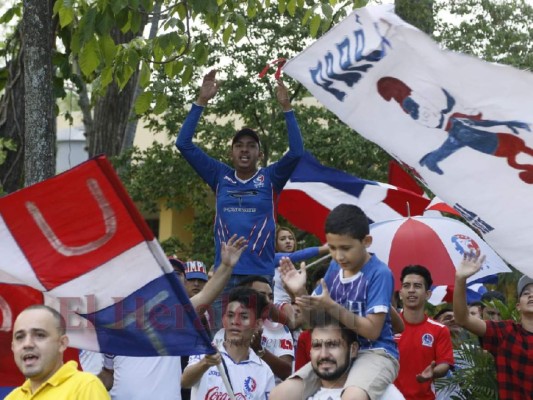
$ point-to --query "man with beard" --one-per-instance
(333, 350)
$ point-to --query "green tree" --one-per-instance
(244, 99)
(495, 31)
(104, 53)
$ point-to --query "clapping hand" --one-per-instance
(231, 251)
(319, 302)
(293, 279)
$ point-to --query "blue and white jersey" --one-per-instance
(367, 292)
(251, 379)
(246, 208)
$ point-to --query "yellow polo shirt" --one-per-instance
(66, 384)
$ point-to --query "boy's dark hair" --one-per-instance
(249, 298)
(249, 280)
(61, 324)
(322, 319)
(349, 220)
(418, 270)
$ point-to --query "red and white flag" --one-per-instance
(314, 189)
(79, 242)
(461, 125)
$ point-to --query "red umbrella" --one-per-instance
(438, 243)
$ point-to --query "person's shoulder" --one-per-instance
(376, 267)
(16, 394)
(82, 379)
(437, 326)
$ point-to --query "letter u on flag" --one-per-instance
(78, 239)
(463, 126)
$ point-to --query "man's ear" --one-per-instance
(63, 343)
(258, 323)
(354, 349)
(367, 241)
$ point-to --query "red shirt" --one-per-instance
(512, 348)
(303, 350)
(419, 345)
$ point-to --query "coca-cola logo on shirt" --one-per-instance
(215, 394)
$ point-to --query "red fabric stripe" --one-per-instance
(304, 212)
(127, 202)
(401, 201)
(400, 178)
(76, 218)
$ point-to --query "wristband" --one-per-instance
(109, 362)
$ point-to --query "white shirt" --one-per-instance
(276, 338)
(145, 378)
(327, 394)
(91, 361)
(392, 393)
(251, 379)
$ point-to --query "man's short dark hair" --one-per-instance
(418, 270)
(249, 280)
(349, 220)
(443, 311)
(250, 299)
(61, 324)
(490, 296)
(322, 319)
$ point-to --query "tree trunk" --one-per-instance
(112, 113)
(40, 126)
(418, 13)
(131, 129)
(12, 117)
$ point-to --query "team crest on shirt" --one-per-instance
(427, 340)
(259, 181)
(250, 385)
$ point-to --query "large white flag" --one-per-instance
(463, 126)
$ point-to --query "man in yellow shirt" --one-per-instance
(39, 341)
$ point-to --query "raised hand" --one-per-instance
(293, 279)
(470, 264)
(282, 94)
(231, 251)
(209, 88)
(255, 344)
